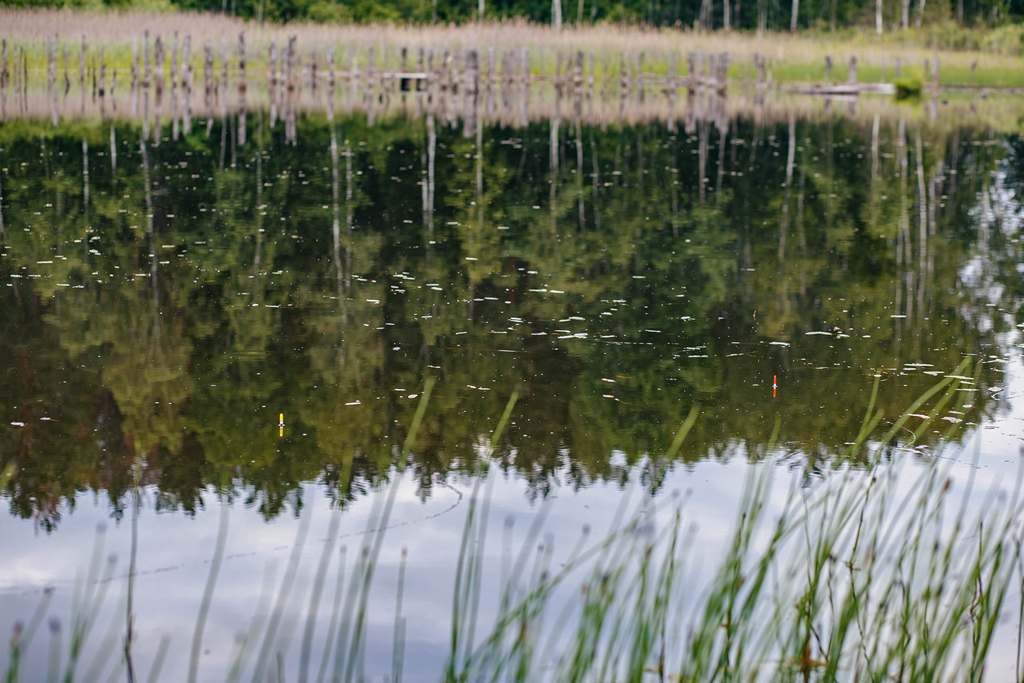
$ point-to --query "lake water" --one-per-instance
(226, 332)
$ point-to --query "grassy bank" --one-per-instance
(791, 58)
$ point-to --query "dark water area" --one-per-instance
(251, 323)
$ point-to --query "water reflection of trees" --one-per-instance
(169, 310)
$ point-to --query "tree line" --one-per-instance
(794, 15)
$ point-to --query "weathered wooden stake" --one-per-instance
(241, 63)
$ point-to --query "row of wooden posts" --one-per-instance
(155, 64)
(158, 66)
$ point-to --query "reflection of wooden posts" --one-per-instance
(723, 72)
(851, 74)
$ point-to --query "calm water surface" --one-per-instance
(212, 330)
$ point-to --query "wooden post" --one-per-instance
(158, 59)
(241, 63)
(81, 65)
(641, 85)
(135, 62)
(146, 74)
(330, 75)
(4, 69)
(51, 63)
(272, 69)
(313, 67)
(207, 74)
(828, 68)
(187, 64)
(174, 61)
(64, 58)
(222, 85)
(851, 75)
(290, 64)
(102, 91)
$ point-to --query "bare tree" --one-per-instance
(878, 16)
(793, 15)
(556, 14)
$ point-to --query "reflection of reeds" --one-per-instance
(855, 579)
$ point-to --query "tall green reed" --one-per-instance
(873, 573)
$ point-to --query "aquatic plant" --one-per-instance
(870, 574)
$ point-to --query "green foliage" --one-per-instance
(908, 87)
(935, 28)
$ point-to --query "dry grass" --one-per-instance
(793, 58)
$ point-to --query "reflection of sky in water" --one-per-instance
(606, 364)
(174, 551)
